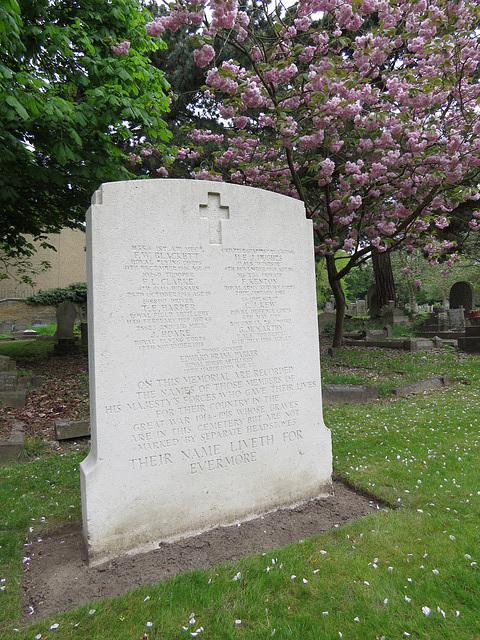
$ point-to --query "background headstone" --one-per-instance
(462, 295)
(456, 318)
(6, 326)
(66, 316)
(361, 308)
(205, 392)
(372, 302)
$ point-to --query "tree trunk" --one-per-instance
(336, 286)
(384, 282)
(412, 290)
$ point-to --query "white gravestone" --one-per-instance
(204, 362)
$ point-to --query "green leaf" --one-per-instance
(123, 73)
(76, 137)
(13, 102)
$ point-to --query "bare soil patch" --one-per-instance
(57, 576)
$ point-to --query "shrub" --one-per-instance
(76, 292)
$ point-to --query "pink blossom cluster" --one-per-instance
(221, 81)
(204, 55)
(253, 96)
(172, 21)
(205, 136)
(203, 174)
(224, 14)
(122, 48)
(275, 76)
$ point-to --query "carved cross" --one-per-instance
(214, 212)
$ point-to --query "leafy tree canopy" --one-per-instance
(77, 90)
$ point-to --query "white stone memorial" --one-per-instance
(204, 362)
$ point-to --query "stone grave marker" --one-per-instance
(361, 308)
(462, 295)
(456, 318)
(65, 339)
(66, 316)
(205, 398)
(372, 301)
(6, 326)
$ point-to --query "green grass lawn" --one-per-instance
(409, 571)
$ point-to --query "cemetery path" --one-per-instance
(57, 577)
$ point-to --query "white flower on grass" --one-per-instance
(436, 572)
(54, 626)
(237, 622)
(426, 611)
(147, 598)
(237, 576)
(452, 538)
(293, 577)
(91, 612)
(407, 599)
(38, 636)
(149, 624)
(356, 619)
(441, 611)
(324, 613)
(305, 581)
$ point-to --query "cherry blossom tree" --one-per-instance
(366, 110)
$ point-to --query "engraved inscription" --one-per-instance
(260, 279)
(223, 409)
(213, 421)
(167, 312)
